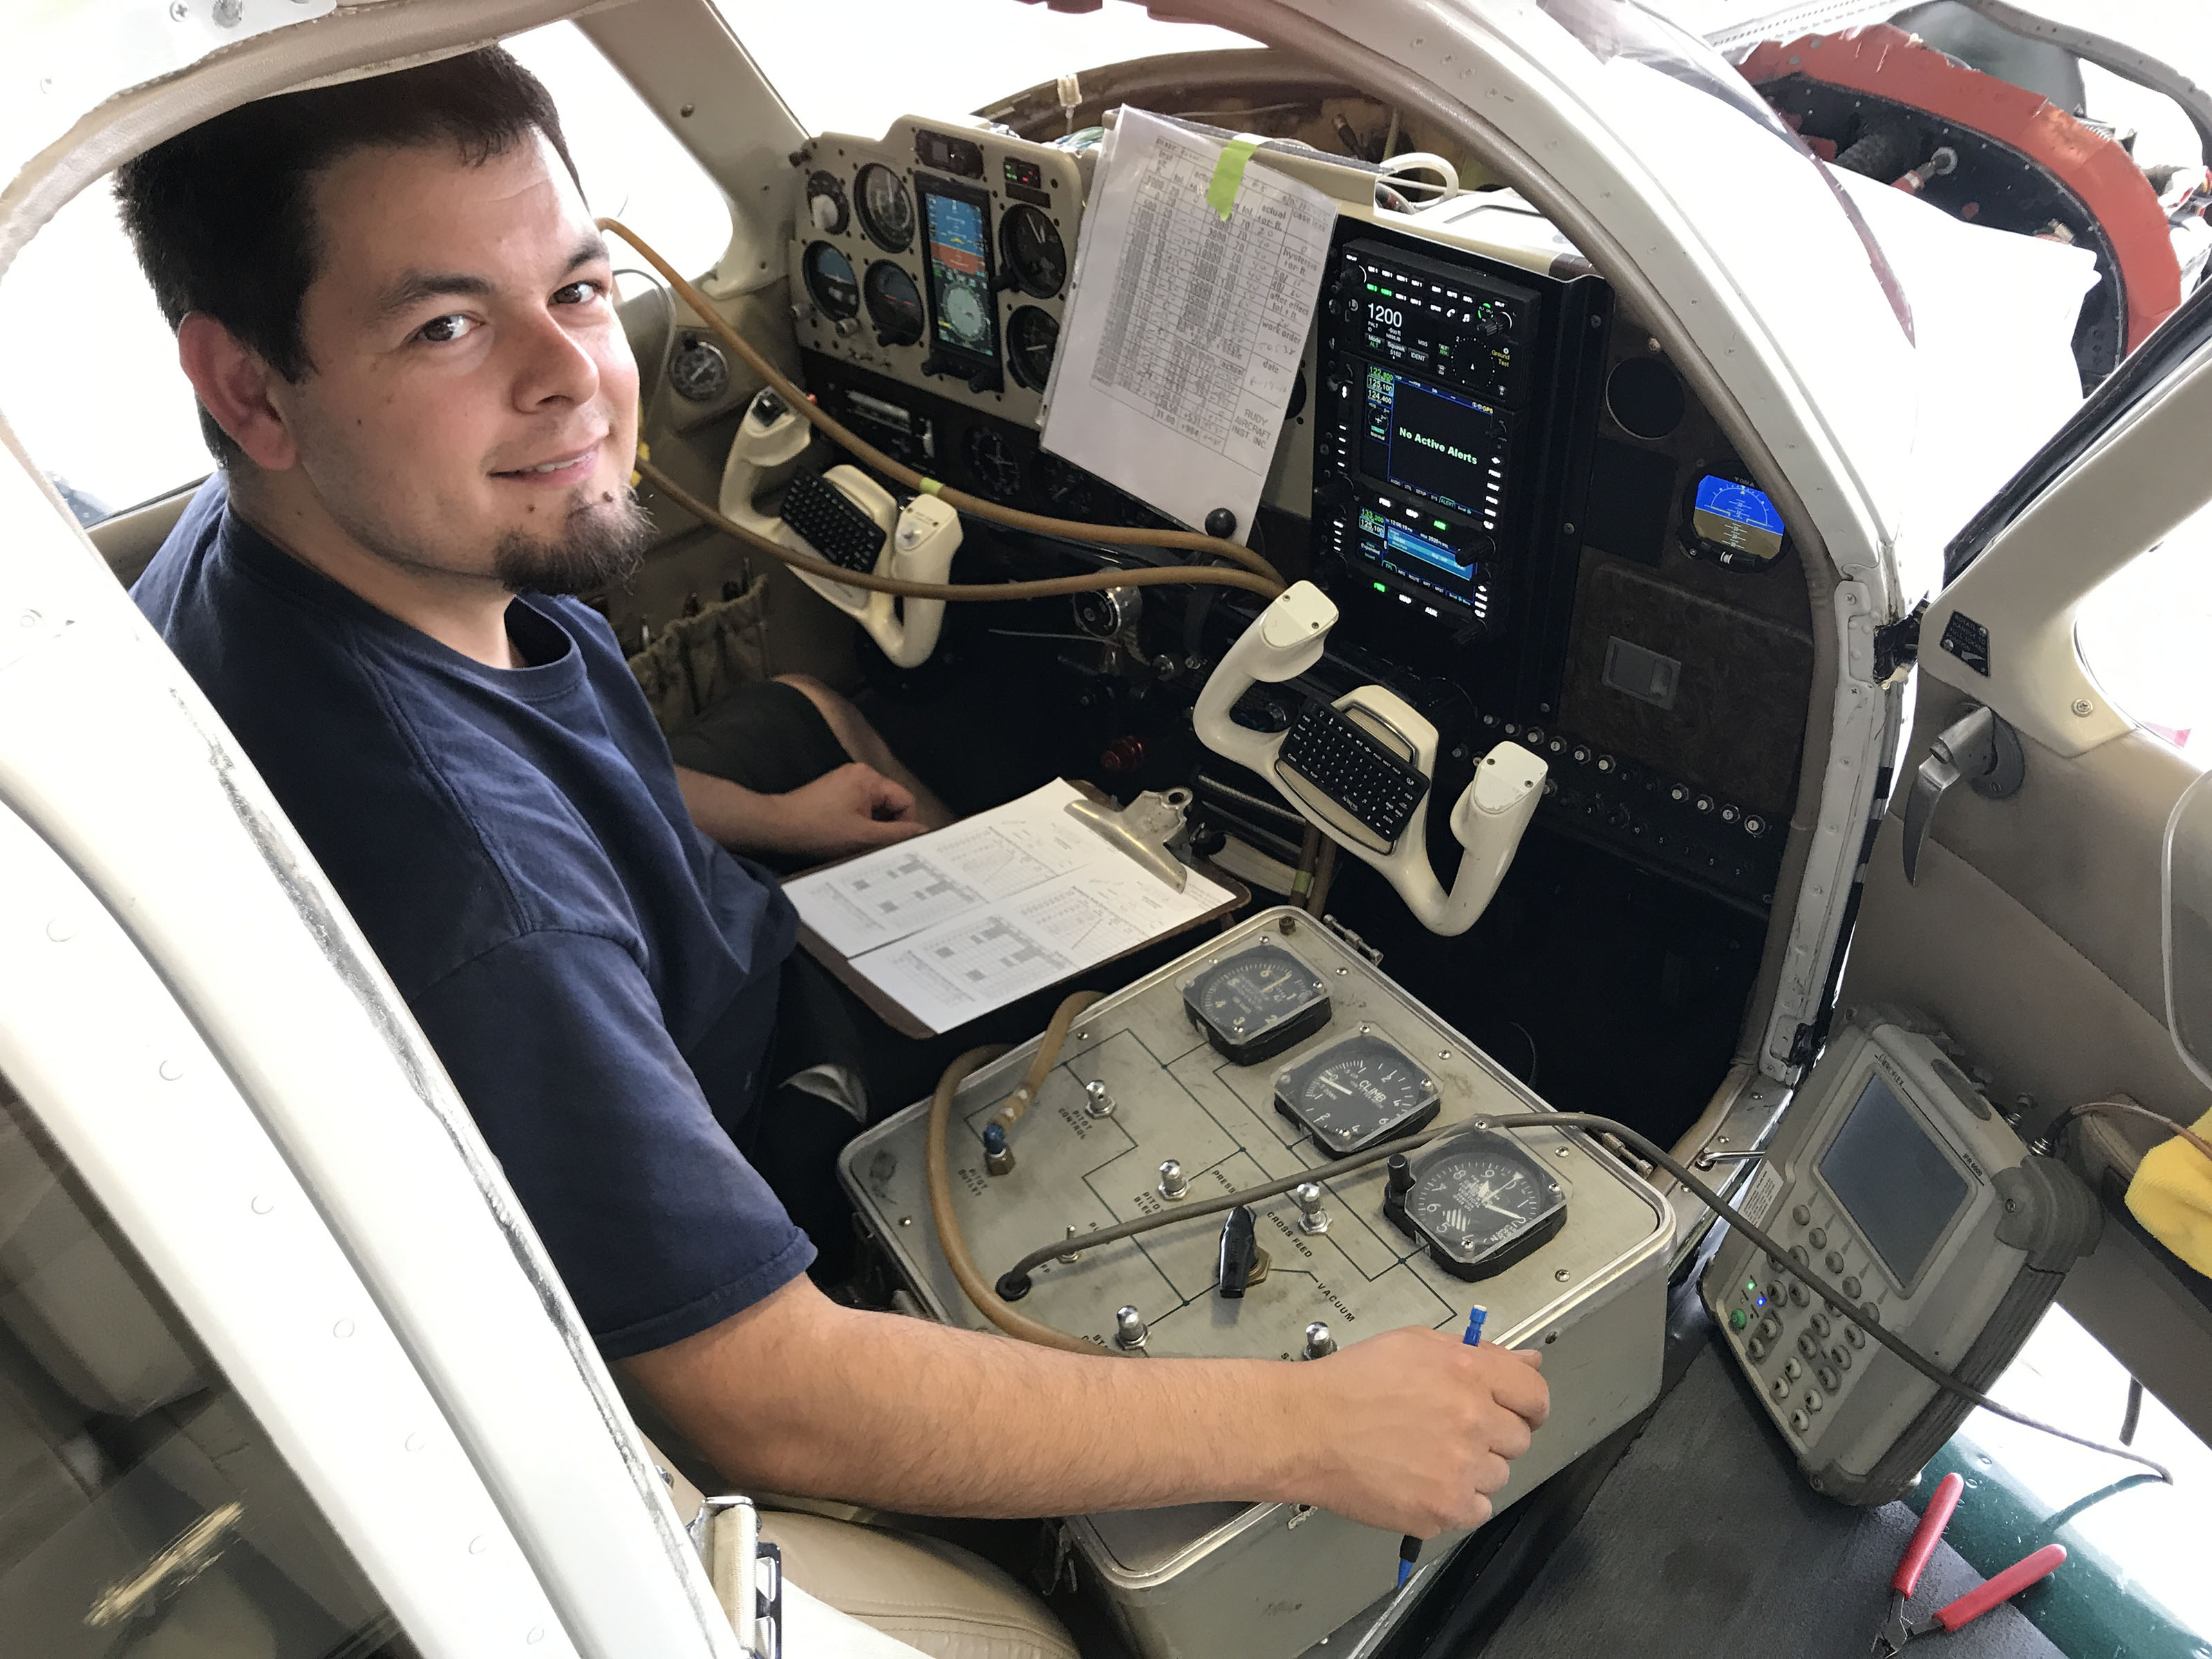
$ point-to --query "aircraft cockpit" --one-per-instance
(1492, 594)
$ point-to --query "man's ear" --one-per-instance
(234, 381)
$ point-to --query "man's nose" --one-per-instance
(556, 365)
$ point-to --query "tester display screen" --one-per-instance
(958, 242)
(1436, 442)
(1420, 554)
(1736, 517)
(1901, 1189)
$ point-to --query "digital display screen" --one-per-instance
(958, 243)
(1420, 554)
(1901, 1189)
(1440, 444)
(1737, 518)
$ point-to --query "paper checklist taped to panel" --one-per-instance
(952, 925)
(1185, 327)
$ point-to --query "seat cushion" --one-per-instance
(934, 1597)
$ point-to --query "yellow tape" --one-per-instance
(1302, 884)
(644, 454)
(931, 487)
(1229, 172)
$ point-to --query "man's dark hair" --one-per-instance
(223, 216)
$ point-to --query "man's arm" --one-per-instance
(1409, 1430)
(850, 810)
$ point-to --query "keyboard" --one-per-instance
(1353, 770)
(840, 531)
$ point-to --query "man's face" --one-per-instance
(472, 406)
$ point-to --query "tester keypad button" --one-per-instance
(1738, 1319)
(1850, 1286)
(1813, 1400)
(1779, 1387)
(1820, 1324)
(1802, 1215)
(1806, 1345)
(1839, 1356)
(1773, 1292)
(1828, 1378)
(1792, 1369)
(1769, 1327)
(1800, 1422)
(1756, 1347)
(1818, 1238)
(1855, 1336)
(1799, 1296)
(1797, 1254)
(1836, 1265)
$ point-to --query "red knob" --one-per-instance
(1124, 754)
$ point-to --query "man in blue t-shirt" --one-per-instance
(392, 302)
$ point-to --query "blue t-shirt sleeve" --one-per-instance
(657, 1224)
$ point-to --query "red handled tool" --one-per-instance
(1896, 1630)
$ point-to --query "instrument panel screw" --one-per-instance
(1287, 924)
(1561, 1275)
(2084, 708)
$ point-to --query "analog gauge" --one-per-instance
(699, 371)
(1355, 1094)
(1257, 1003)
(886, 210)
(1477, 1201)
(1068, 488)
(993, 462)
(1031, 334)
(830, 279)
(825, 204)
(1035, 258)
(894, 304)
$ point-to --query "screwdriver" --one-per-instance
(1409, 1548)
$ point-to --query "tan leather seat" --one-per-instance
(934, 1597)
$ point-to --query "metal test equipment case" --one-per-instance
(1209, 1579)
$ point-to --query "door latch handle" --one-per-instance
(1979, 748)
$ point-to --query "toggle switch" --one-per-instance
(1243, 1262)
(1097, 1102)
(1313, 1216)
(1319, 1342)
(1174, 1183)
(1130, 1330)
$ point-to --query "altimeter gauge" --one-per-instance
(1257, 1003)
(1356, 1094)
(1477, 1199)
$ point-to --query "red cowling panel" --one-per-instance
(1888, 62)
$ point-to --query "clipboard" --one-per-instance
(864, 984)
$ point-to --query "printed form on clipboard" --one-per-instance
(949, 925)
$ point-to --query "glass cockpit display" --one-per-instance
(1899, 1187)
(1442, 444)
(1734, 522)
(957, 244)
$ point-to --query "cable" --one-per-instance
(794, 395)
(1015, 1278)
(1052, 587)
(2128, 1109)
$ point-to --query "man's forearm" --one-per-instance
(1408, 1429)
(942, 1421)
(731, 814)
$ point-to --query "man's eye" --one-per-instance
(576, 293)
(443, 330)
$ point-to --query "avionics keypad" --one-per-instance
(1329, 752)
(1805, 1348)
(832, 526)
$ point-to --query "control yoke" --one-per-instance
(1360, 769)
(916, 544)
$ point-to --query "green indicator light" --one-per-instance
(1379, 588)
(1440, 524)
(1751, 1287)
(1370, 287)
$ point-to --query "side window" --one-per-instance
(89, 375)
(2142, 634)
(142, 1509)
(632, 167)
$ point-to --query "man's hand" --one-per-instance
(1412, 1429)
(851, 810)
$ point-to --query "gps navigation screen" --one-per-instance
(1424, 438)
(959, 283)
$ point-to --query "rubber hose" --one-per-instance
(1052, 587)
(937, 1171)
(795, 395)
